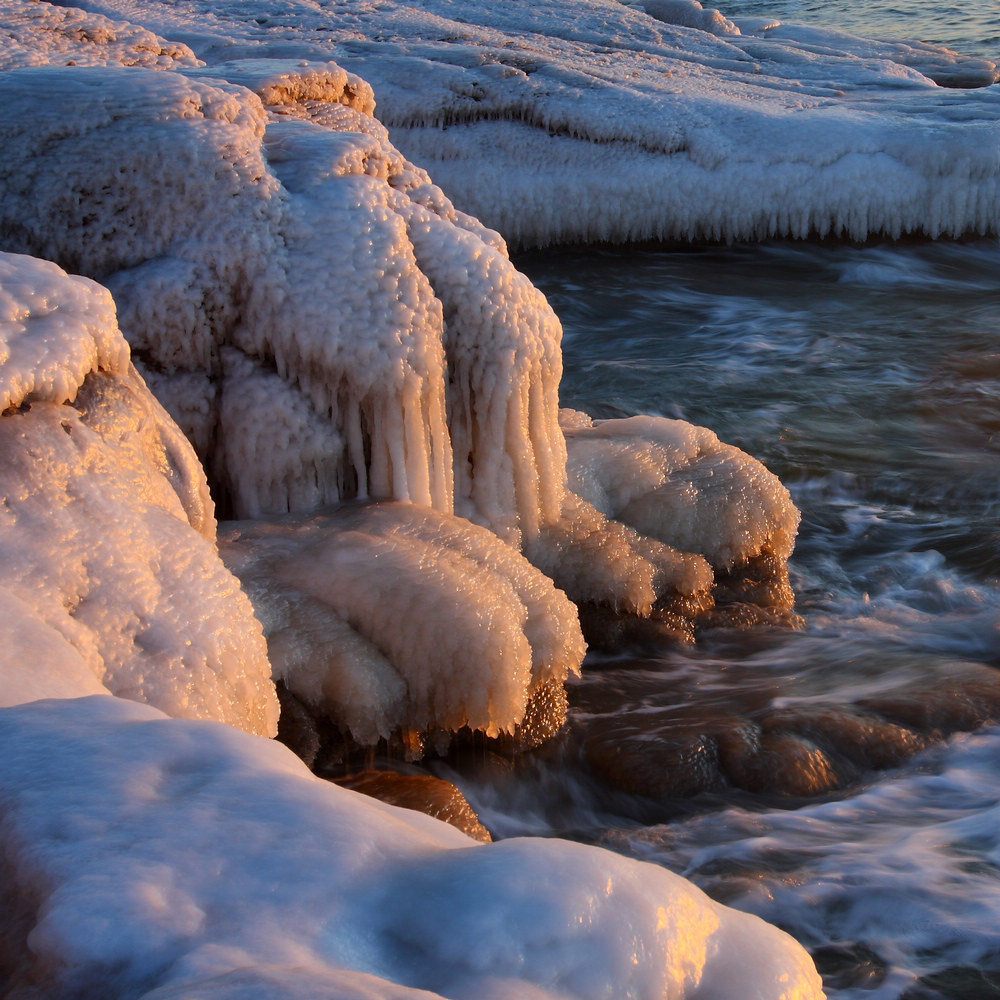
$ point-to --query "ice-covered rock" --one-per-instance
(291, 260)
(679, 483)
(315, 275)
(396, 618)
(112, 580)
(591, 120)
(151, 857)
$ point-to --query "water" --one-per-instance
(868, 379)
(971, 28)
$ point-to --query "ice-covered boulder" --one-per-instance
(162, 858)
(679, 483)
(392, 618)
(290, 260)
(112, 581)
(313, 275)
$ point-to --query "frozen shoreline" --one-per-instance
(159, 923)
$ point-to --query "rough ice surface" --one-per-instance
(587, 120)
(38, 33)
(395, 332)
(396, 617)
(106, 525)
(120, 879)
(679, 483)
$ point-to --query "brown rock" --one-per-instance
(423, 793)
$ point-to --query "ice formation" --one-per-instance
(679, 483)
(112, 581)
(313, 273)
(324, 324)
(357, 331)
(393, 617)
(151, 857)
(584, 120)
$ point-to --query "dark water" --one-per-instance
(972, 28)
(868, 379)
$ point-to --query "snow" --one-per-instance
(107, 532)
(143, 856)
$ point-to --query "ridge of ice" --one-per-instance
(590, 120)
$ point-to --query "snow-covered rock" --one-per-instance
(142, 856)
(111, 577)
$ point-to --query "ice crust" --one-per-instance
(38, 34)
(107, 528)
(121, 880)
(590, 120)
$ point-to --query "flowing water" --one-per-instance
(868, 379)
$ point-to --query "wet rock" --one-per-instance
(859, 738)
(297, 728)
(762, 581)
(423, 793)
(787, 764)
(659, 758)
(970, 700)
(605, 630)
